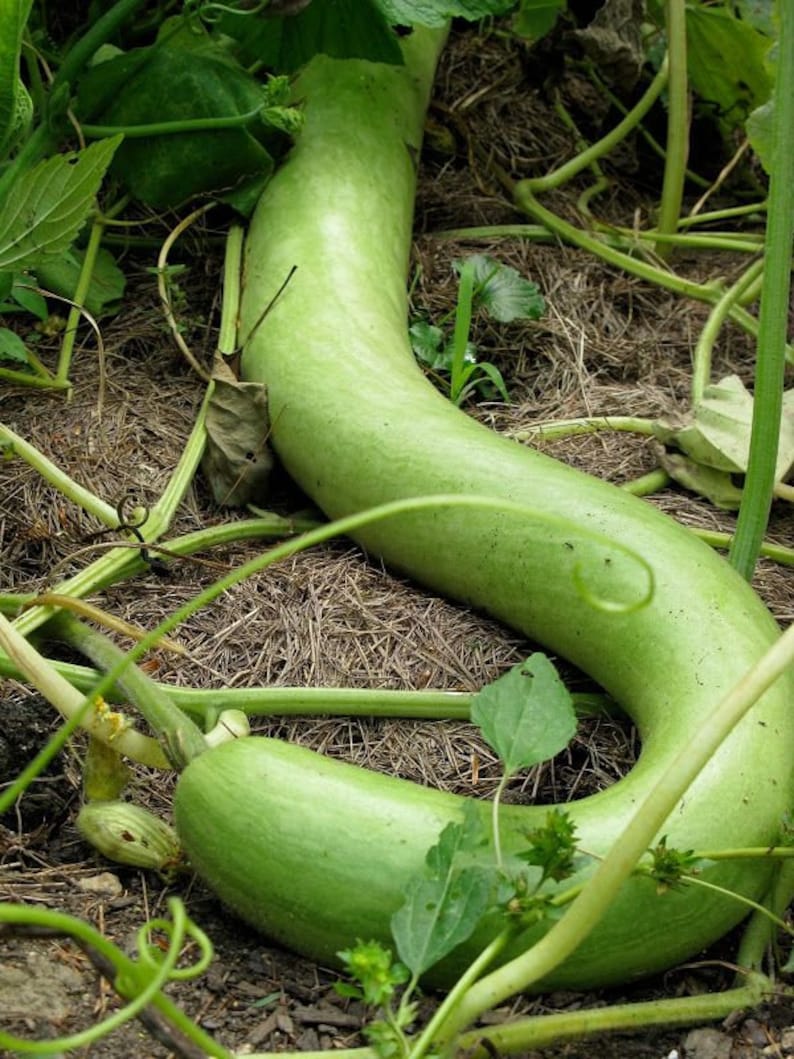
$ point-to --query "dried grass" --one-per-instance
(608, 344)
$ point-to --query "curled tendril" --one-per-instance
(211, 11)
(151, 955)
(131, 520)
(141, 980)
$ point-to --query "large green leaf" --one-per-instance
(43, 213)
(710, 444)
(175, 84)
(343, 29)
(726, 62)
(535, 18)
(759, 13)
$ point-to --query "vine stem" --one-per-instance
(165, 294)
(597, 150)
(758, 933)
(171, 128)
(77, 310)
(617, 238)
(773, 323)
(70, 703)
(142, 981)
(107, 568)
(598, 893)
(562, 428)
(677, 122)
(540, 1031)
(708, 336)
(53, 474)
(426, 1038)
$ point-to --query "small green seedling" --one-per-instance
(506, 296)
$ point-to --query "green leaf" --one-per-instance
(552, 848)
(670, 866)
(15, 105)
(27, 298)
(444, 905)
(759, 13)
(726, 63)
(105, 291)
(488, 380)
(526, 715)
(760, 129)
(345, 989)
(426, 341)
(6, 283)
(716, 486)
(12, 348)
(164, 84)
(371, 965)
(535, 18)
(343, 29)
(502, 291)
(437, 12)
(716, 433)
(47, 208)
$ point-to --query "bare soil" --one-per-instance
(608, 344)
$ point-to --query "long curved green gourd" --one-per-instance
(317, 853)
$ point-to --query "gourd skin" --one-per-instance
(316, 853)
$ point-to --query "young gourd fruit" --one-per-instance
(316, 853)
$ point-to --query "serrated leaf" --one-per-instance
(502, 291)
(526, 715)
(12, 348)
(552, 847)
(45, 210)
(716, 434)
(371, 965)
(444, 905)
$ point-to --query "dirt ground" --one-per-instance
(607, 344)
